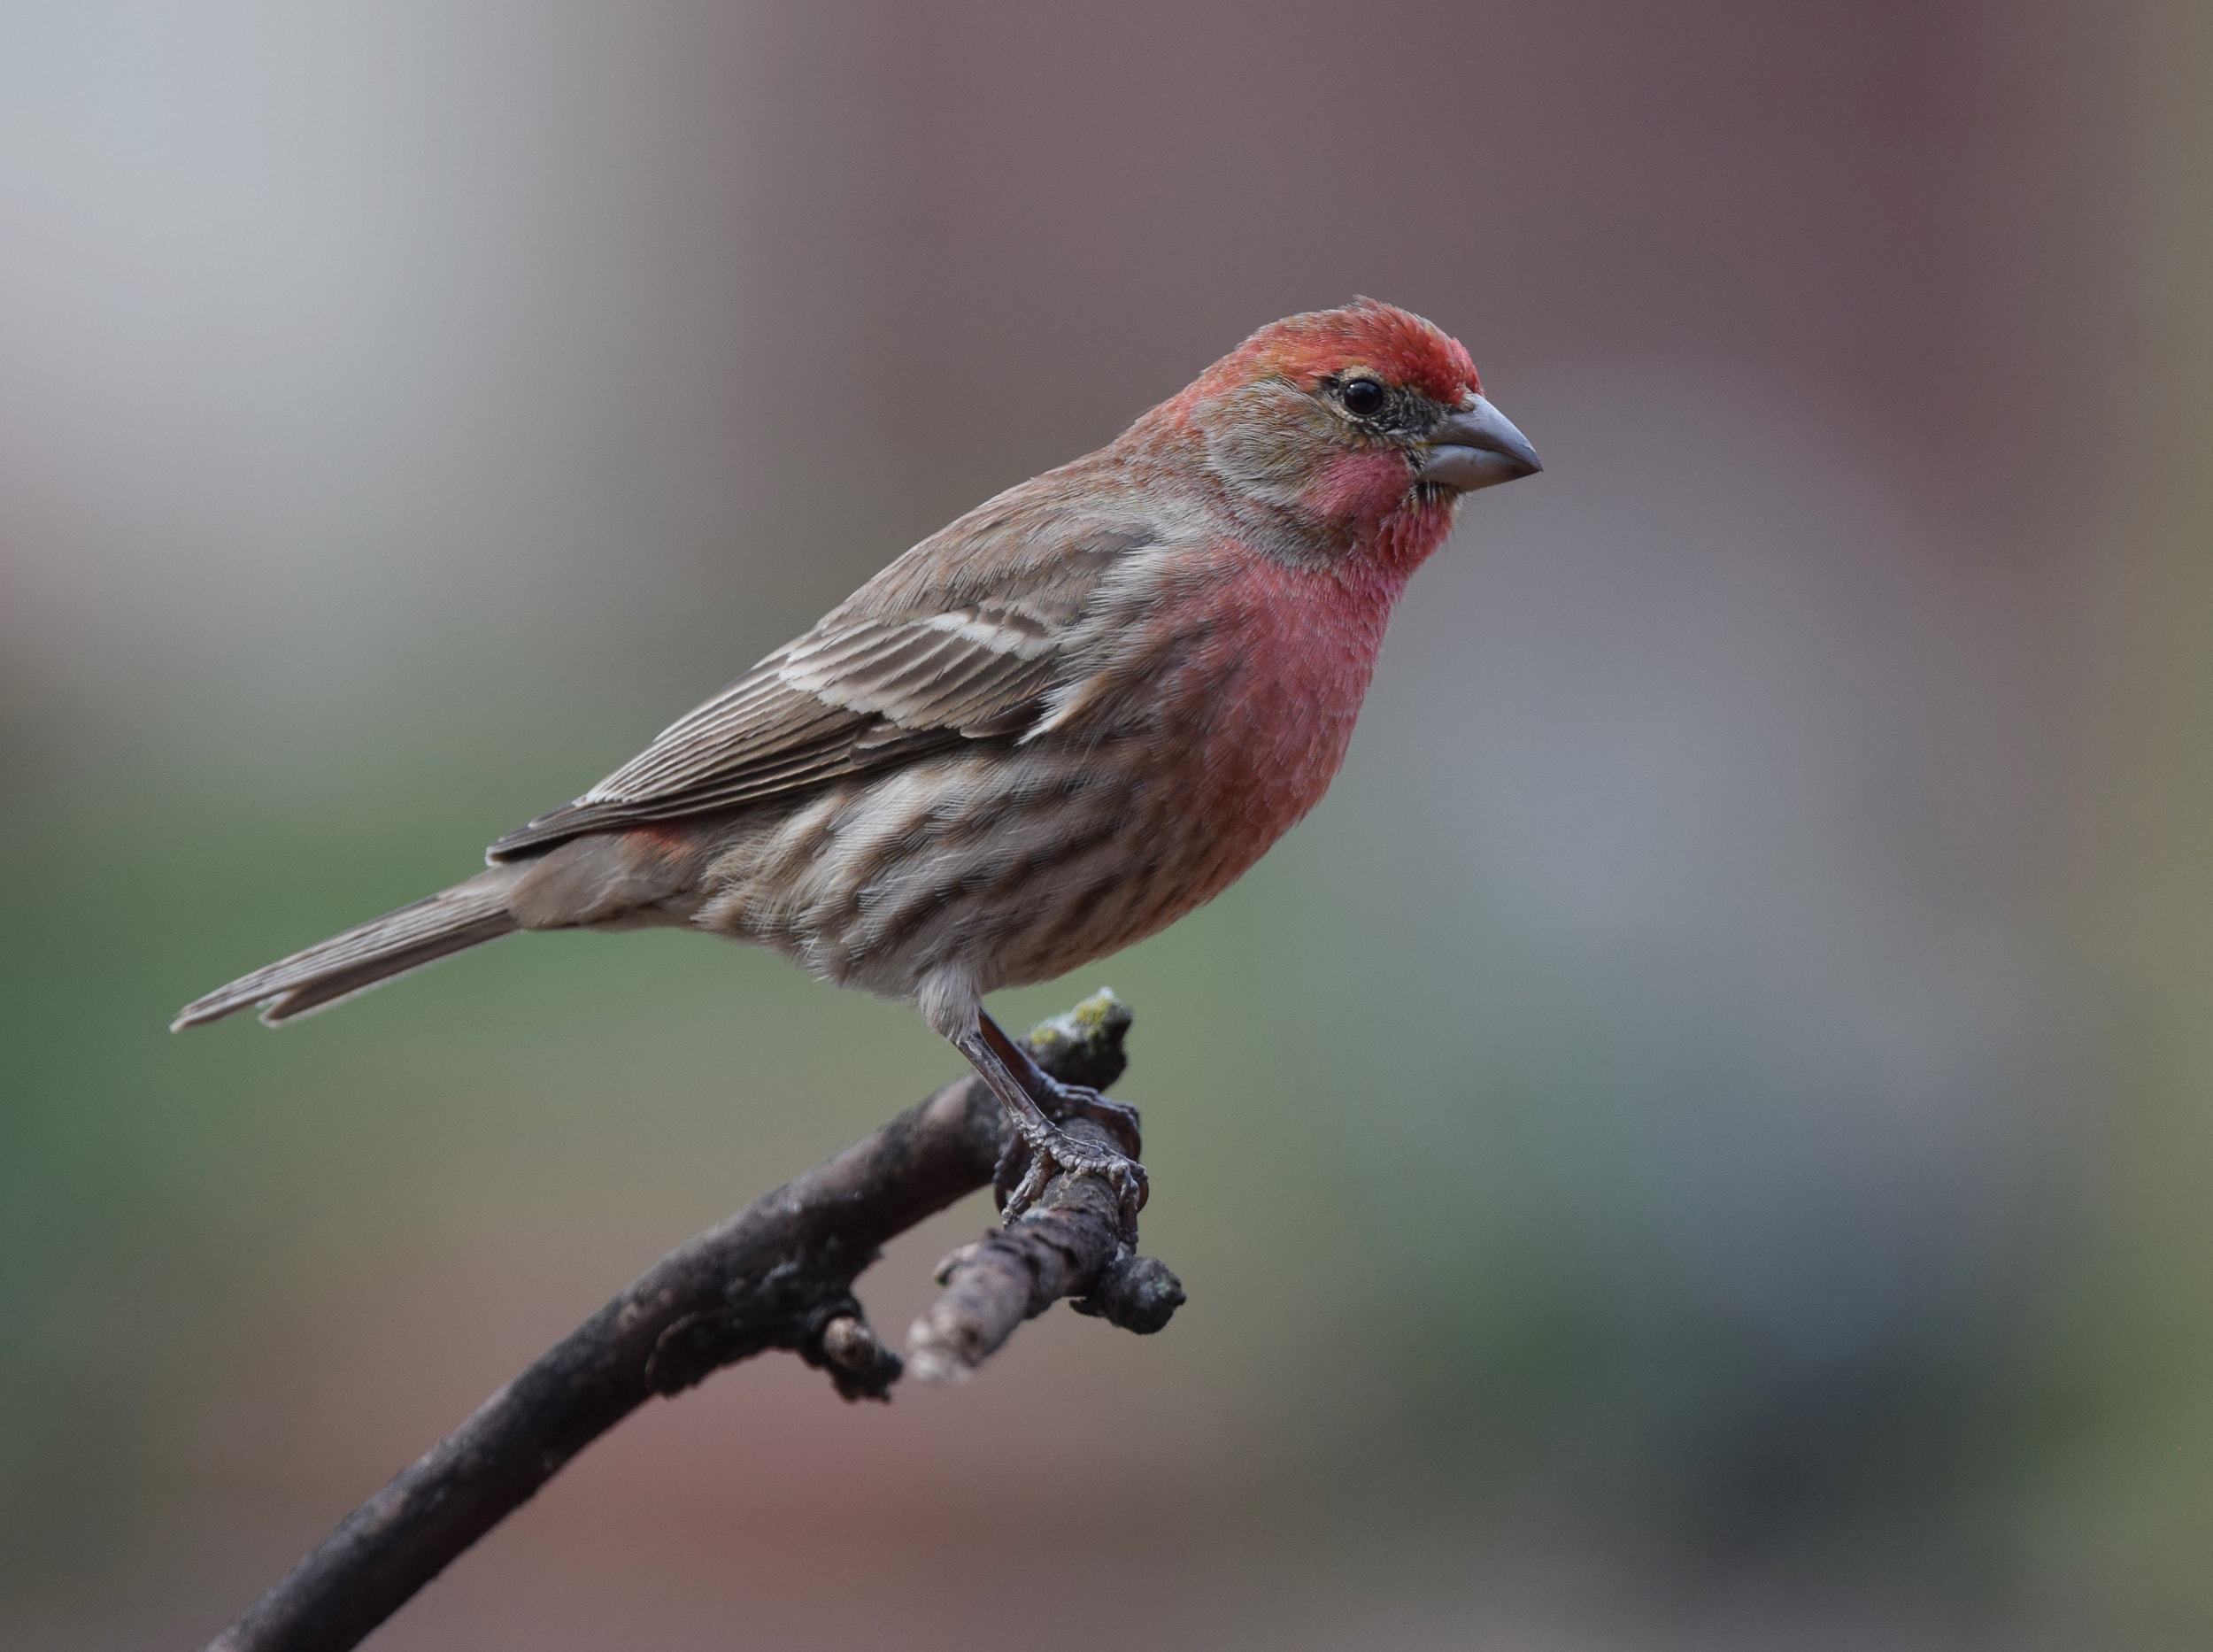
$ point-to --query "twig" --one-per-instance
(779, 1274)
(1069, 1246)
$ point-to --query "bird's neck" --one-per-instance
(1266, 703)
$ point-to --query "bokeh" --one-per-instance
(1703, 1140)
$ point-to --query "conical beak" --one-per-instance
(1475, 447)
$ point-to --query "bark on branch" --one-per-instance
(779, 1274)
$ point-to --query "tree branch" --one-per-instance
(779, 1274)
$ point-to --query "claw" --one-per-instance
(1046, 1155)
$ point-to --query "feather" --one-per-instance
(966, 637)
(437, 926)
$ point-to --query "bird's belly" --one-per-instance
(1013, 864)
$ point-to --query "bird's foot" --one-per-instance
(1120, 1120)
(1035, 1157)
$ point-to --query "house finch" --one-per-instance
(1046, 731)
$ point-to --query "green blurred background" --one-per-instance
(1701, 1141)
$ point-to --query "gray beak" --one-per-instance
(1474, 448)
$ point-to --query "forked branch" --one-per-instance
(779, 1274)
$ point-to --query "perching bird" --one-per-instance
(1048, 731)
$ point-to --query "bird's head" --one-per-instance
(1333, 420)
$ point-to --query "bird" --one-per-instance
(1051, 729)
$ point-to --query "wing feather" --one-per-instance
(911, 665)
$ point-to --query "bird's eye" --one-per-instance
(1363, 398)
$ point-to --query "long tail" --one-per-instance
(451, 920)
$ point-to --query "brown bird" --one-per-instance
(1048, 731)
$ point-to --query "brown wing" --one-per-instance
(963, 638)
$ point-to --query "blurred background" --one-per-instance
(1703, 1141)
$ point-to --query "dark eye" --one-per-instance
(1363, 398)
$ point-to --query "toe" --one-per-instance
(1035, 1174)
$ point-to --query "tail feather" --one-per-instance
(437, 926)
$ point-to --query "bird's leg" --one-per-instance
(1007, 1070)
(1064, 1101)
